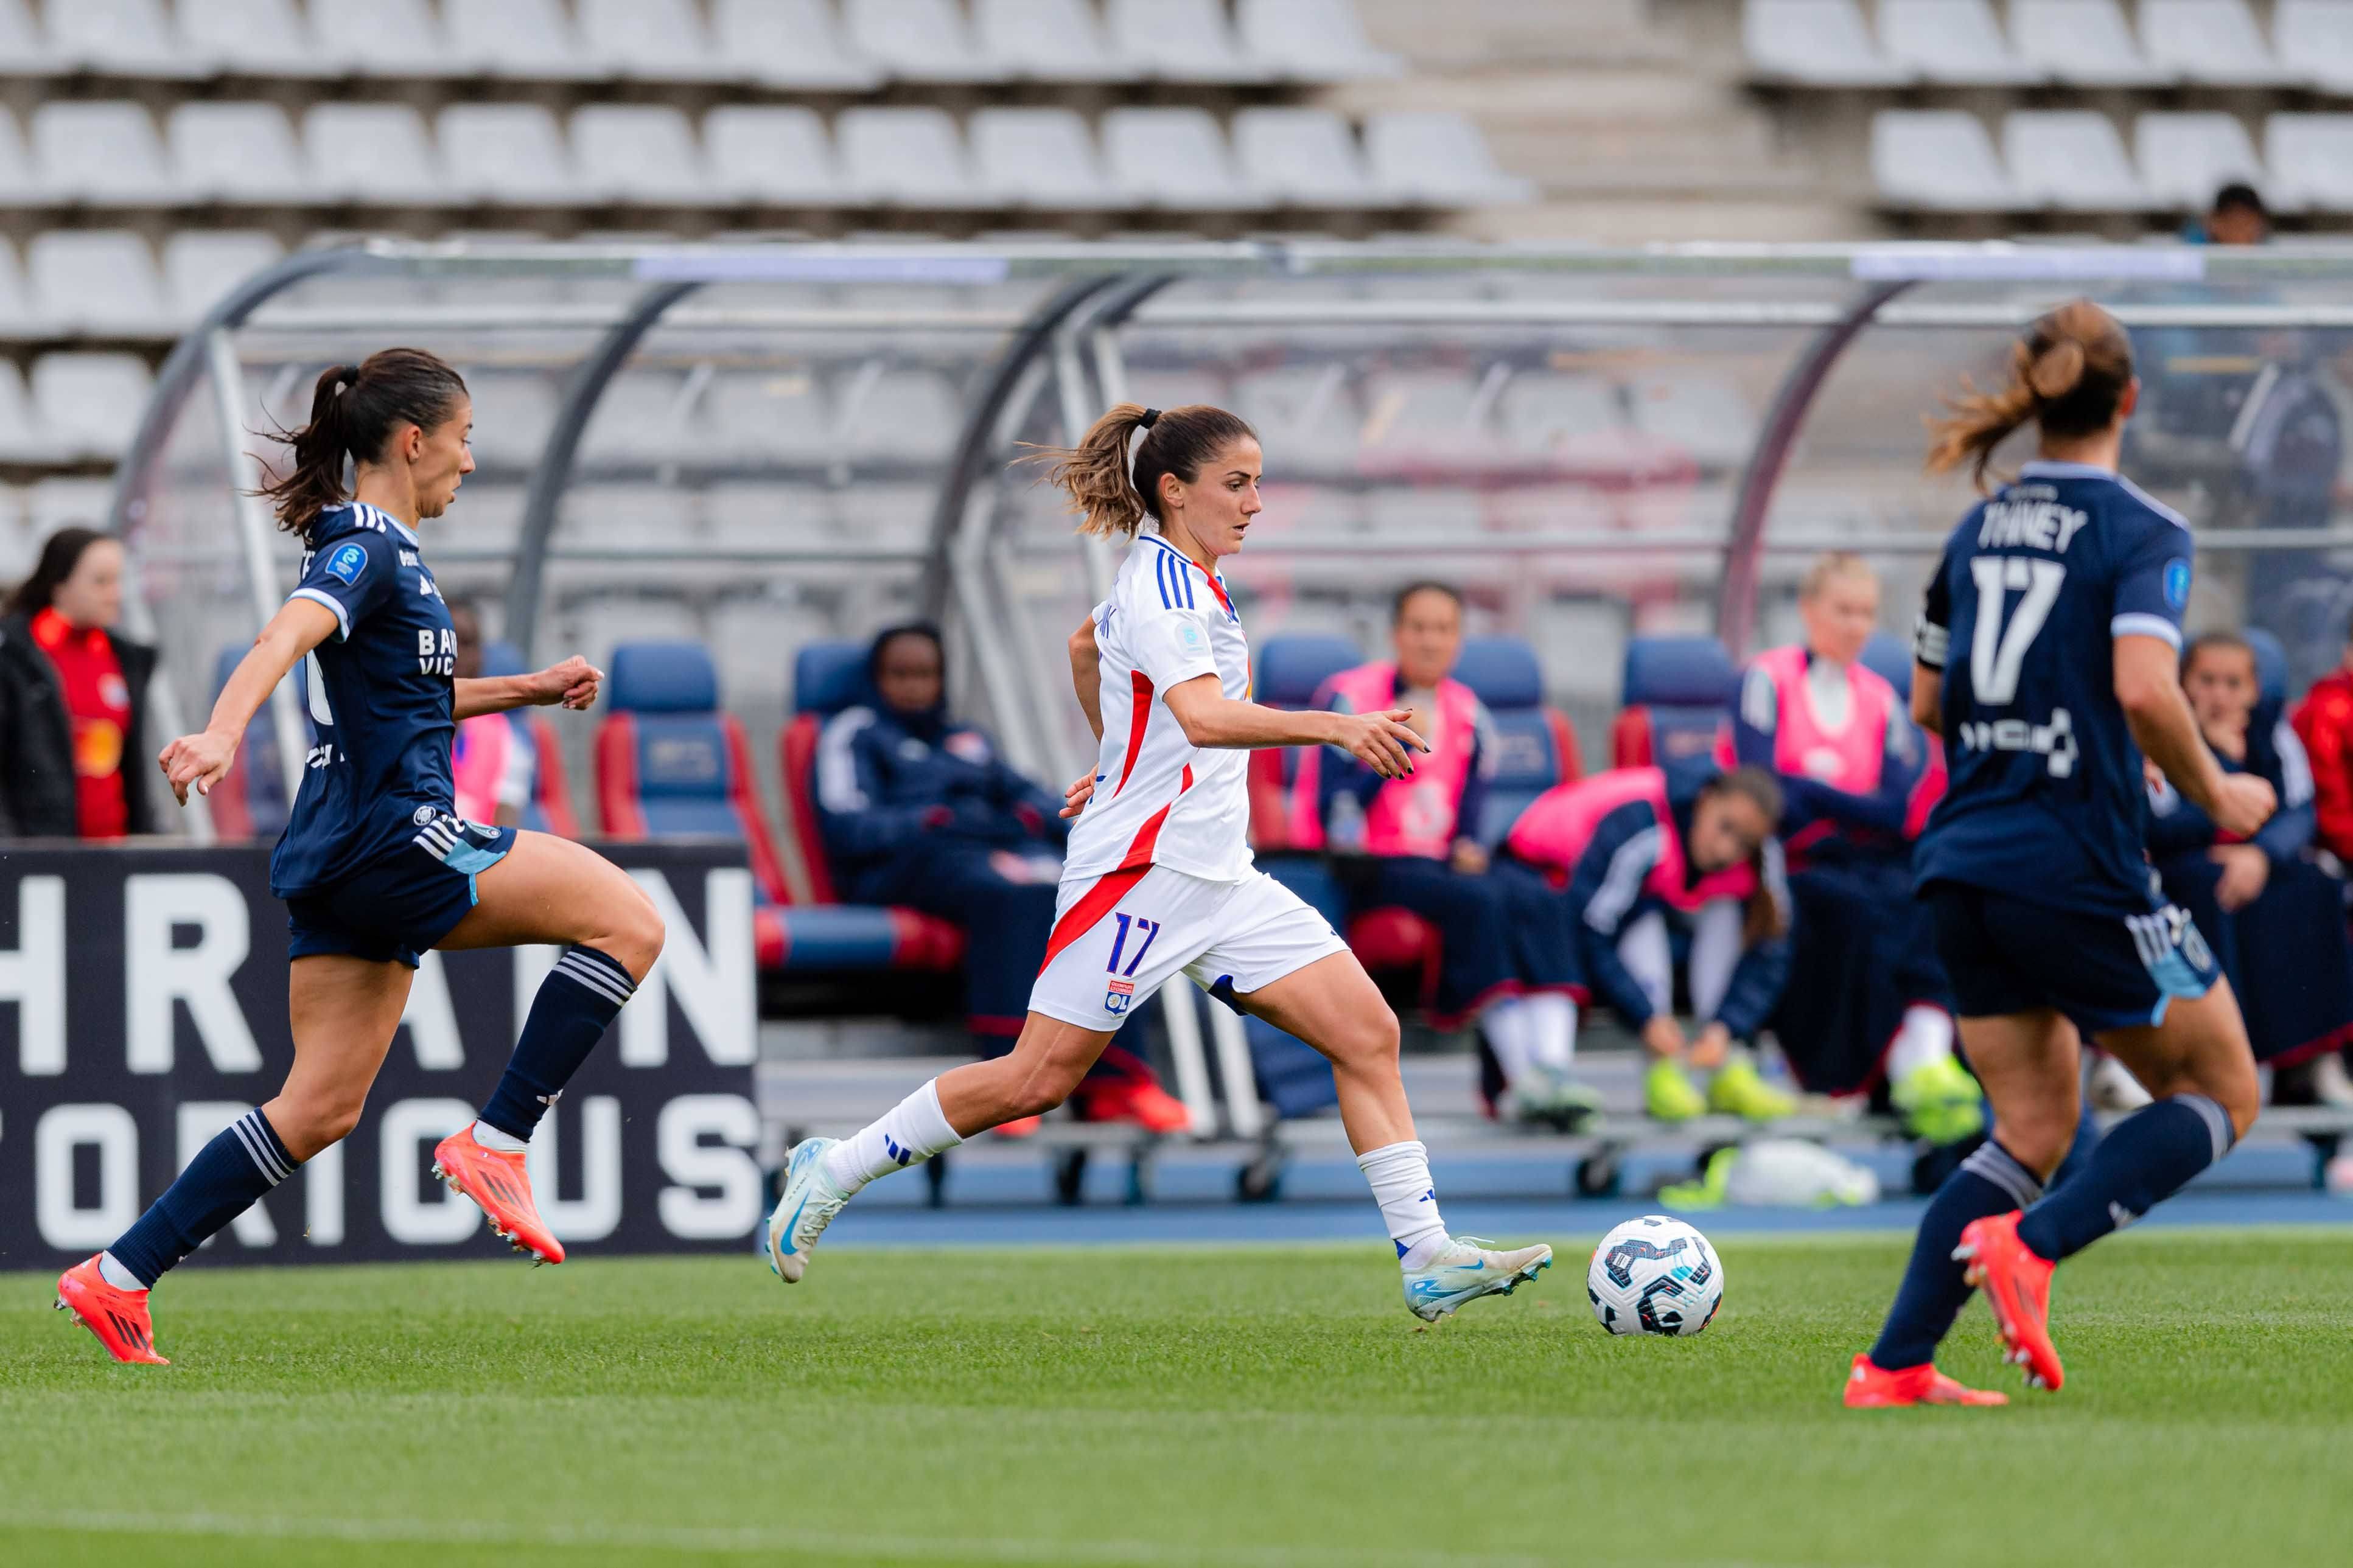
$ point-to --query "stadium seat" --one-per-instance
(119, 37)
(2082, 43)
(776, 155)
(521, 41)
(1178, 41)
(550, 807)
(1699, 415)
(1547, 412)
(88, 402)
(1173, 158)
(1286, 673)
(1046, 40)
(371, 152)
(792, 43)
(670, 765)
(1302, 157)
(22, 439)
(1308, 412)
(1038, 158)
(1957, 43)
(22, 43)
(1422, 416)
(2072, 159)
(1815, 43)
(1438, 157)
(918, 40)
(2270, 677)
(201, 265)
(766, 416)
(18, 315)
(20, 179)
(2311, 161)
(506, 152)
(652, 40)
(383, 38)
(2215, 43)
(253, 37)
(904, 157)
(2317, 38)
(1677, 696)
(104, 154)
(907, 415)
(514, 411)
(1312, 40)
(2186, 158)
(641, 152)
(1890, 656)
(101, 282)
(1938, 159)
(827, 934)
(235, 153)
(1537, 745)
(639, 418)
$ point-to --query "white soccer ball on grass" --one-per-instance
(1654, 1275)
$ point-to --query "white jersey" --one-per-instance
(1160, 800)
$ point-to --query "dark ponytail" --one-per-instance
(1094, 473)
(2067, 377)
(354, 409)
(1763, 918)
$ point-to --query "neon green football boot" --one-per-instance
(1940, 1102)
(1668, 1093)
(1739, 1090)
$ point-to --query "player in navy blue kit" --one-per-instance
(2046, 657)
(375, 866)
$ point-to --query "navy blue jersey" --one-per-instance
(2047, 802)
(381, 696)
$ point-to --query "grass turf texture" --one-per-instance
(1151, 1406)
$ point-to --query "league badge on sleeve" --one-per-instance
(1119, 996)
(347, 564)
(2177, 584)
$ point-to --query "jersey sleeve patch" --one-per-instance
(345, 564)
(2177, 583)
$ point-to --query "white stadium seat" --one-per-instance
(1425, 415)
(910, 415)
(778, 156)
(2215, 42)
(1958, 42)
(637, 420)
(2185, 158)
(52, 504)
(119, 37)
(1702, 415)
(514, 411)
(2072, 159)
(1309, 410)
(101, 282)
(918, 40)
(235, 153)
(788, 44)
(1938, 159)
(21, 440)
(2082, 43)
(88, 404)
(642, 152)
(374, 152)
(521, 41)
(2311, 160)
(775, 417)
(1046, 40)
(22, 43)
(384, 39)
(1302, 157)
(906, 157)
(106, 154)
(20, 181)
(1179, 40)
(1815, 43)
(1038, 158)
(201, 265)
(2315, 38)
(506, 152)
(1542, 412)
(1172, 158)
(16, 314)
(1312, 40)
(252, 38)
(1439, 157)
(653, 40)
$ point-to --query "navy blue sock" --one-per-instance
(1934, 1290)
(2145, 1159)
(228, 1177)
(576, 1004)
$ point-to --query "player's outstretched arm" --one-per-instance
(203, 760)
(2148, 689)
(1214, 720)
(1086, 676)
(572, 683)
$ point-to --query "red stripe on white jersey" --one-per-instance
(1139, 716)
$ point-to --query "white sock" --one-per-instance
(116, 1275)
(914, 1129)
(1506, 1024)
(1552, 1030)
(489, 1137)
(1399, 1175)
(1925, 1036)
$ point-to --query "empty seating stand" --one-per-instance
(1677, 698)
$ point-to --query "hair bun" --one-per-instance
(2057, 369)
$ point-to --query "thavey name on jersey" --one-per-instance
(2021, 516)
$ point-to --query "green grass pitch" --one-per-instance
(1163, 1406)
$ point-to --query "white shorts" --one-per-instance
(1119, 937)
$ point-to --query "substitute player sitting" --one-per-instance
(1158, 882)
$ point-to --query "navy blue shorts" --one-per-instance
(394, 909)
(2006, 955)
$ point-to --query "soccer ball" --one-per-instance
(1654, 1276)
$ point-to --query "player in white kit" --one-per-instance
(1158, 878)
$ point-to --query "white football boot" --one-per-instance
(809, 1206)
(1466, 1269)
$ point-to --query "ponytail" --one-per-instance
(355, 408)
(1094, 473)
(2068, 376)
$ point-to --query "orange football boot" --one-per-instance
(2017, 1285)
(497, 1181)
(1870, 1386)
(1139, 1101)
(119, 1317)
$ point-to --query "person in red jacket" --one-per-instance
(2324, 723)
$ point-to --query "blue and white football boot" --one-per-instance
(1466, 1269)
(809, 1206)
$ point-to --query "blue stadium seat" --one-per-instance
(2270, 677)
(1285, 673)
(1890, 656)
(1678, 695)
(1537, 745)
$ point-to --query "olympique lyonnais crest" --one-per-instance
(1120, 993)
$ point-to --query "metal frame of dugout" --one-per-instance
(1066, 354)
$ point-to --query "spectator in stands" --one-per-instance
(494, 766)
(2237, 218)
(73, 699)
(1868, 1005)
(918, 810)
(1413, 843)
(2275, 918)
(1651, 853)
